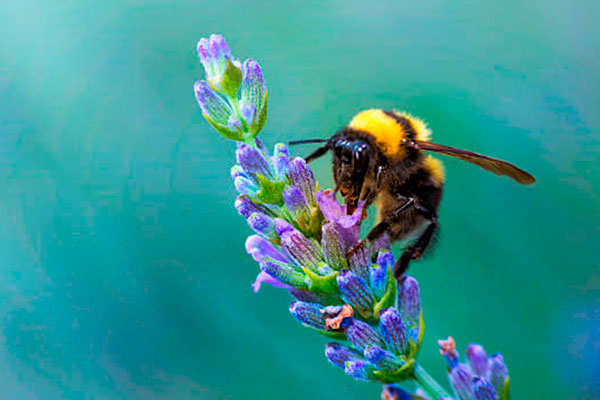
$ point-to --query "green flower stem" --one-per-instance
(428, 384)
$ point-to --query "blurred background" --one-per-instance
(122, 265)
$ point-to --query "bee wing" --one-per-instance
(494, 165)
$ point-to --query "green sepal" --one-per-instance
(401, 374)
(506, 390)
(421, 329)
(223, 130)
(230, 81)
(271, 192)
(260, 119)
(322, 284)
(389, 297)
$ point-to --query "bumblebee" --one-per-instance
(380, 156)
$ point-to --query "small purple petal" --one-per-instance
(259, 248)
(385, 259)
(477, 358)
(339, 355)
(332, 210)
(264, 277)
(362, 335)
(356, 292)
(461, 380)
(393, 330)
(484, 390)
(378, 277)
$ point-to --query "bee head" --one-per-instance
(350, 165)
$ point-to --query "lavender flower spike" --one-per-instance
(223, 72)
(302, 244)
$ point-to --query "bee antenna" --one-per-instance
(294, 142)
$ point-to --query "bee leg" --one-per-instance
(419, 246)
(317, 153)
(384, 225)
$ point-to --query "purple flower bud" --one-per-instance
(461, 380)
(339, 355)
(308, 314)
(383, 359)
(359, 262)
(301, 250)
(284, 273)
(477, 358)
(334, 250)
(213, 106)
(498, 373)
(296, 203)
(302, 177)
(385, 259)
(247, 207)
(356, 292)
(252, 161)
(362, 335)
(483, 390)
(393, 330)
(409, 300)
(245, 186)
(360, 370)
(282, 226)
(262, 224)
(222, 71)
(253, 99)
(264, 277)
(280, 160)
(259, 248)
(378, 277)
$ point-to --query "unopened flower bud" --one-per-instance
(409, 300)
(253, 101)
(461, 380)
(356, 292)
(362, 335)
(308, 314)
(483, 389)
(498, 373)
(393, 330)
(284, 273)
(223, 72)
(334, 250)
(383, 359)
(339, 355)
(477, 358)
(252, 161)
(302, 177)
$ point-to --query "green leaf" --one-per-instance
(506, 390)
(231, 79)
(271, 192)
(389, 297)
(322, 284)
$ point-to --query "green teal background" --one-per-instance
(122, 266)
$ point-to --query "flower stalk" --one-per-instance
(301, 239)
